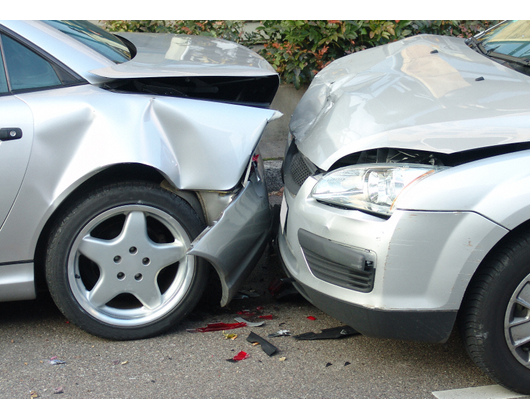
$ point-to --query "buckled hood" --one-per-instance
(169, 55)
(429, 93)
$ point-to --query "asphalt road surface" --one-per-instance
(198, 365)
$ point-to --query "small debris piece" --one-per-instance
(240, 356)
(265, 345)
(33, 394)
(265, 316)
(311, 318)
(280, 333)
(329, 364)
(230, 336)
(248, 323)
(55, 361)
(282, 359)
(327, 334)
(220, 326)
(347, 363)
(245, 312)
(58, 390)
(124, 363)
(240, 296)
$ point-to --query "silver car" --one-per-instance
(407, 199)
(130, 171)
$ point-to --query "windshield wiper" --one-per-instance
(476, 45)
(509, 58)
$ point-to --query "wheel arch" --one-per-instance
(115, 173)
(523, 227)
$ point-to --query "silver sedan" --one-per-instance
(130, 171)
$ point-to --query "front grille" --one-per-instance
(296, 169)
(338, 264)
(299, 170)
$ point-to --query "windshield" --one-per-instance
(510, 38)
(94, 37)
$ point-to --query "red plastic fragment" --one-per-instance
(246, 312)
(220, 326)
(240, 356)
(312, 318)
(265, 316)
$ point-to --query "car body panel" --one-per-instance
(169, 55)
(14, 154)
(165, 133)
(456, 100)
(414, 251)
(237, 239)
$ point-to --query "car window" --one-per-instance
(26, 69)
(94, 37)
(509, 38)
(3, 80)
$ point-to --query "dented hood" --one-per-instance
(429, 93)
(169, 55)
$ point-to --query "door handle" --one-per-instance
(10, 134)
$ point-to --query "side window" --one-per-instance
(26, 69)
(3, 81)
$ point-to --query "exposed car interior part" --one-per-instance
(252, 91)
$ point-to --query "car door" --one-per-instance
(16, 136)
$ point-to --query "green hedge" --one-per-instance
(298, 49)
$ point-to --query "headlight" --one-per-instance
(372, 188)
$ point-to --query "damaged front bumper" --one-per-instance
(236, 241)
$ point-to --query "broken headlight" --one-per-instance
(371, 188)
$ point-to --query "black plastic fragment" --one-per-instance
(330, 333)
(265, 345)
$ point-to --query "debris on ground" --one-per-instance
(282, 359)
(329, 364)
(265, 316)
(311, 318)
(55, 361)
(280, 333)
(58, 390)
(245, 312)
(230, 336)
(33, 394)
(248, 323)
(267, 347)
(220, 326)
(327, 334)
(239, 356)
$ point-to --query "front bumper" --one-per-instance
(402, 277)
(236, 241)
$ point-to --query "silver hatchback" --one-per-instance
(407, 199)
(130, 171)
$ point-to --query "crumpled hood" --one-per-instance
(429, 93)
(169, 55)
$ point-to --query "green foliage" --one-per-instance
(298, 49)
(231, 30)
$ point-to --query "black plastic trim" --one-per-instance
(426, 326)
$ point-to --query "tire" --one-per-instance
(495, 318)
(116, 263)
